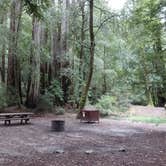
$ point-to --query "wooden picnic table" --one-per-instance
(22, 116)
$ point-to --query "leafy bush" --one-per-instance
(46, 102)
(8, 97)
(60, 111)
(111, 105)
(52, 96)
(56, 91)
(106, 105)
(3, 96)
(138, 99)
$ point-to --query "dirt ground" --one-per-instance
(147, 111)
(109, 143)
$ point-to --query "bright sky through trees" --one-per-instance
(116, 4)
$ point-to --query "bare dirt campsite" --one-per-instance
(112, 142)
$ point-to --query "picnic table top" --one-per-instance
(16, 113)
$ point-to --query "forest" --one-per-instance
(82, 82)
(73, 53)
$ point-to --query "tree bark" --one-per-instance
(55, 64)
(64, 27)
(92, 48)
(3, 71)
(44, 66)
(64, 62)
(34, 80)
(14, 75)
(104, 74)
(81, 56)
(160, 67)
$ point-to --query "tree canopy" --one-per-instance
(78, 52)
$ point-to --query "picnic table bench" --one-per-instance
(22, 116)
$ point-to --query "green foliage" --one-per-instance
(8, 98)
(155, 120)
(139, 99)
(59, 111)
(129, 62)
(3, 96)
(36, 7)
(106, 105)
(46, 102)
(55, 91)
(111, 105)
(52, 96)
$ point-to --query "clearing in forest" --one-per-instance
(111, 142)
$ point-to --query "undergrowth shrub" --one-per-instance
(112, 105)
(46, 102)
(139, 99)
(52, 96)
(3, 96)
(56, 91)
(59, 111)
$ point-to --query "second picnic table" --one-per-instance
(22, 116)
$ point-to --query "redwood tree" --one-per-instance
(34, 78)
(91, 63)
(3, 52)
(14, 75)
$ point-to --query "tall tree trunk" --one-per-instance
(64, 62)
(54, 66)
(44, 65)
(14, 77)
(34, 80)
(3, 71)
(92, 48)
(81, 56)
(59, 46)
(64, 26)
(146, 78)
(104, 74)
(56, 51)
(160, 67)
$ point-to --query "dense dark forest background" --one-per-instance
(77, 52)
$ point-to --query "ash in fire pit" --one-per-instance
(58, 125)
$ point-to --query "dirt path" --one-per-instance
(109, 143)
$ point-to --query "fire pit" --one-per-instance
(58, 125)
